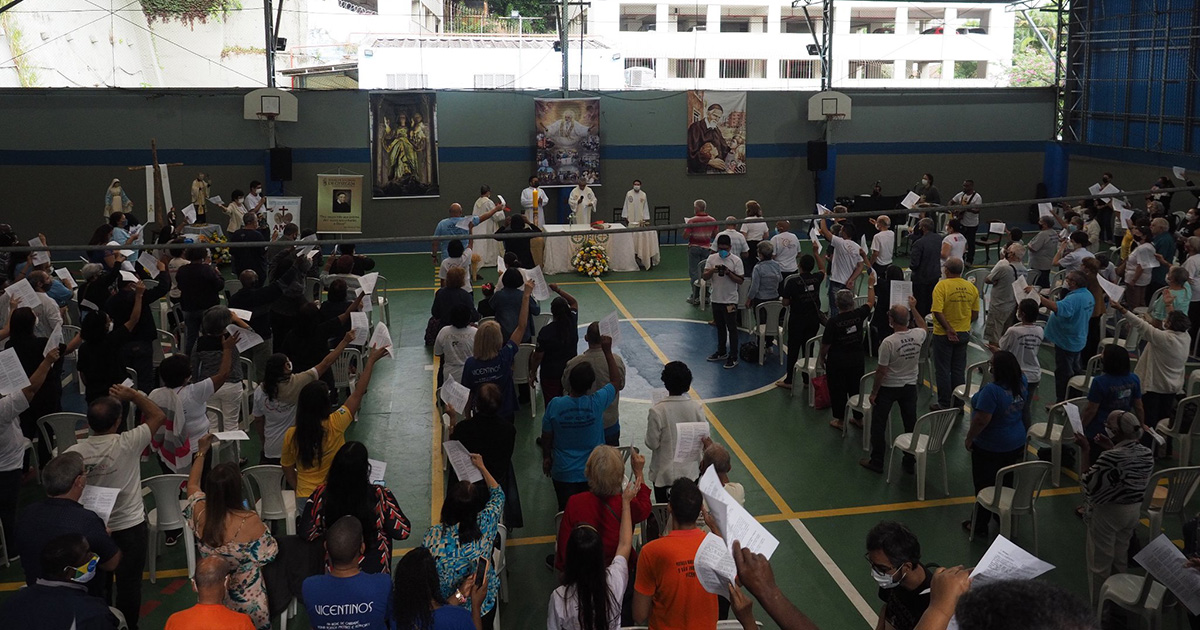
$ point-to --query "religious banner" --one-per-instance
(404, 160)
(339, 204)
(716, 135)
(280, 211)
(568, 141)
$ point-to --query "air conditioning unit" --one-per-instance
(639, 77)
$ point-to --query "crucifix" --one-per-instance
(160, 201)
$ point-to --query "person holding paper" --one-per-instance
(186, 404)
(1179, 290)
(31, 350)
(12, 450)
(666, 593)
(586, 577)
(494, 439)
(111, 457)
(883, 244)
(1042, 249)
(755, 233)
(487, 248)
(46, 310)
(849, 261)
(348, 492)
(1115, 389)
(1067, 328)
(724, 272)
(509, 303)
(573, 425)
(929, 194)
(453, 293)
(557, 344)
(1073, 251)
(968, 218)
(452, 226)
(699, 234)
(491, 359)
(787, 247)
(925, 260)
(661, 430)
(207, 357)
(1164, 247)
(601, 506)
(1162, 364)
(457, 257)
(1004, 303)
(801, 293)
(64, 479)
(1104, 207)
(137, 352)
(996, 437)
(842, 355)
(896, 380)
(518, 239)
(1136, 267)
(955, 307)
(466, 532)
(954, 244)
(346, 261)
(1113, 489)
(200, 286)
(307, 343)
(453, 344)
(101, 362)
(309, 447)
(1192, 264)
(904, 581)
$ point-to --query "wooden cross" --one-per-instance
(160, 201)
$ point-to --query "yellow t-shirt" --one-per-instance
(335, 437)
(955, 299)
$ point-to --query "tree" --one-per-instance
(1033, 65)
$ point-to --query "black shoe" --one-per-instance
(871, 465)
(731, 362)
(718, 356)
(550, 561)
(172, 537)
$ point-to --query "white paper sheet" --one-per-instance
(382, 338)
(541, 290)
(1126, 217)
(99, 500)
(361, 326)
(1006, 561)
(247, 338)
(455, 395)
(378, 469)
(910, 200)
(41, 257)
(149, 262)
(1072, 411)
(1114, 291)
(12, 375)
(821, 209)
(65, 275)
(54, 340)
(657, 395)
(24, 292)
(997, 227)
(460, 459)
(127, 382)
(611, 326)
(714, 565)
(189, 212)
(242, 314)
(1109, 189)
(1018, 287)
(1045, 210)
(500, 266)
(367, 282)
(217, 200)
(735, 523)
(1166, 562)
(128, 276)
(1180, 173)
(368, 303)
(1156, 436)
(231, 436)
(816, 241)
(466, 223)
(900, 292)
(1094, 189)
(687, 440)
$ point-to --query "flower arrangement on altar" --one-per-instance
(219, 255)
(591, 259)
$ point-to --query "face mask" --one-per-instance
(924, 182)
(637, 188)
(110, 326)
(1072, 228)
(724, 253)
(1109, 432)
(884, 580)
(85, 573)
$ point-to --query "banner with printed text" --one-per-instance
(279, 212)
(716, 134)
(568, 141)
(404, 157)
(339, 204)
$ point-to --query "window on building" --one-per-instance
(495, 81)
(590, 82)
(687, 18)
(407, 81)
(743, 68)
(638, 17)
(686, 69)
(640, 62)
(924, 70)
(793, 21)
(922, 21)
(743, 19)
(799, 68)
(872, 20)
(973, 22)
(970, 69)
(871, 69)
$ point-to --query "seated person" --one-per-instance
(895, 556)
(59, 598)
(211, 584)
(346, 597)
(345, 261)
(716, 456)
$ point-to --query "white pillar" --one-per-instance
(712, 22)
(902, 20)
(774, 15)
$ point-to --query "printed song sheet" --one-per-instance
(714, 565)
(460, 459)
(1166, 562)
(687, 440)
(1006, 561)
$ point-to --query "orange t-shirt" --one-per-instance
(666, 575)
(209, 617)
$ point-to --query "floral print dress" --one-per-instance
(455, 561)
(247, 592)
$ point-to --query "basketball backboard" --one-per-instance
(273, 103)
(827, 104)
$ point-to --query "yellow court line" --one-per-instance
(736, 448)
(531, 540)
(435, 509)
(562, 284)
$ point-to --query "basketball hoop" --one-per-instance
(268, 116)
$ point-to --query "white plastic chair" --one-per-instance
(1173, 427)
(540, 320)
(1018, 500)
(312, 288)
(131, 417)
(1181, 484)
(521, 375)
(64, 425)
(925, 363)
(1140, 595)
(271, 500)
(1082, 382)
(767, 317)
(928, 437)
(861, 402)
(1055, 433)
(808, 366)
(167, 344)
(166, 515)
(3, 547)
(702, 287)
(661, 517)
(345, 370)
(964, 392)
(500, 557)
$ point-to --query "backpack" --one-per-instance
(749, 352)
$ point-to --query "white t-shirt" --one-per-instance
(885, 244)
(454, 345)
(251, 200)
(12, 441)
(1074, 260)
(194, 398)
(463, 261)
(113, 461)
(279, 416)
(1144, 256)
(958, 245)
(787, 248)
(724, 289)
(847, 257)
(969, 218)
(1192, 264)
(564, 606)
(1024, 341)
(737, 242)
(900, 353)
(756, 231)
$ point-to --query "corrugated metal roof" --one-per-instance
(476, 41)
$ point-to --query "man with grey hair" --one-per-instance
(1162, 362)
(1042, 248)
(700, 232)
(1067, 328)
(49, 317)
(738, 245)
(955, 307)
(1192, 264)
(1164, 247)
(64, 479)
(925, 261)
(1000, 313)
(765, 280)
(896, 379)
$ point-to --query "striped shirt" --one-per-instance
(1119, 476)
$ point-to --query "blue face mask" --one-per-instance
(724, 253)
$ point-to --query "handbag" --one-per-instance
(431, 330)
(820, 386)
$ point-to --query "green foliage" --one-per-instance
(496, 18)
(241, 50)
(966, 69)
(26, 74)
(188, 11)
(1045, 21)
(1031, 67)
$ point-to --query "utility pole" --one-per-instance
(564, 47)
(270, 41)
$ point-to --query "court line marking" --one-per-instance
(856, 599)
(438, 490)
(561, 284)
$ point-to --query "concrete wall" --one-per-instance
(1086, 170)
(59, 149)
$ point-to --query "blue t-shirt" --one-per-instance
(361, 602)
(452, 618)
(1111, 393)
(1006, 431)
(499, 371)
(1067, 327)
(449, 227)
(578, 427)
